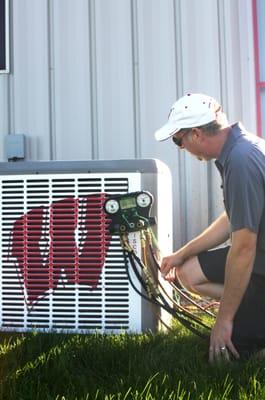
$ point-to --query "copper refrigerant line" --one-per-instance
(147, 271)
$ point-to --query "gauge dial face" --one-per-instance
(112, 206)
(143, 200)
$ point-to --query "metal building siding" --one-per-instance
(4, 112)
(29, 109)
(114, 78)
(70, 79)
(93, 79)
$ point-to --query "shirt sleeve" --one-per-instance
(244, 193)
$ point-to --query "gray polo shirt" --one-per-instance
(242, 168)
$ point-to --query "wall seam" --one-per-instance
(178, 47)
(222, 53)
(51, 80)
(93, 80)
(10, 79)
(136, 78)
(182, 170)
(256, 68)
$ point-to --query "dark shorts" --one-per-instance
(249, 323)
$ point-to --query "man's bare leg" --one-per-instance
(193, 279)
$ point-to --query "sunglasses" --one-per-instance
(177, 140)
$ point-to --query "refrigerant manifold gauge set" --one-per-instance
(128, 213)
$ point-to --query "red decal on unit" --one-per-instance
(68, 240)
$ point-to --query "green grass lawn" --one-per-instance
(148, 366)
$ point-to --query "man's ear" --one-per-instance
(197, 134)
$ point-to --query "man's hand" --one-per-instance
(217, 233)
(169, 263)
(220, 342)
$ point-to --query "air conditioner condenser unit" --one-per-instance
(61, 269)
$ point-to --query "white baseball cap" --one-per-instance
(191, 110)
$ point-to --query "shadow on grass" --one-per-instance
(154, 366)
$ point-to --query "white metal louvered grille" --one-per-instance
(60, 268)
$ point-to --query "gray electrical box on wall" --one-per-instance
(15, 147)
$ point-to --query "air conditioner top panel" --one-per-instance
(92, 166)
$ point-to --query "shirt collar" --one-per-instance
(235, 132)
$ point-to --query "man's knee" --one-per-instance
(190, 275)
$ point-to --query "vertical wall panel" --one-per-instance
(230, 55)
(215, 195)
(115, 95)
(29, 79)
(261, 37)
(4, 112)
(196, 201)
(247, 64)
(156, 68)
(71, 75)
(200, 46)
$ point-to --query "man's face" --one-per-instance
(192, 140)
